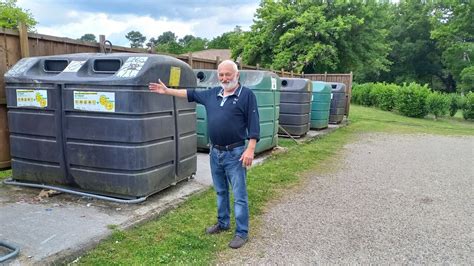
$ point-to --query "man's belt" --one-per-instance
(229, 147)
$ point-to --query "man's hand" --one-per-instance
(247, 156)
(161, 88)
(158, 87)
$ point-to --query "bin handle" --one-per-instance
(107, 47)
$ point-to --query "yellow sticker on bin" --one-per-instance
(175, 76)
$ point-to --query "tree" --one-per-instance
(166, 43)
(88, 37)
(136, 39)
(453, 30)
(318, 36)
(189, 43)
(226, 40)
(11, 14)
(415, 55)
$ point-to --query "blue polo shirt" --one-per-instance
(229, 119)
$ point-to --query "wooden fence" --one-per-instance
(15, 45)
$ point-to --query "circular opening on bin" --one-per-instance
(201, 76)
(284, 83)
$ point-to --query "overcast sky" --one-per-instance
(115, 18)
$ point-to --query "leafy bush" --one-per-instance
(455, 103)
(438, 104)
(466, 83)
(468, 106)
(411, 100)
(362, 94)
(385, 95)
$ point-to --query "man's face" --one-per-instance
(228, 78)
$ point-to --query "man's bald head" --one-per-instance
(228, 64)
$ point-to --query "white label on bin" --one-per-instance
(274, 84)
(20, 67)
(312, 97)
(332, 95)
(94, 101)
(32, 98)
(74, 66)
(131, 67)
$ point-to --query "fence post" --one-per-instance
(302, 74)
(258, 66)
(218, 61)
(190, 59)
(24, 47)
(239, 63)
(101, 43)
(282, 72)
(325, 76)
(291, 73)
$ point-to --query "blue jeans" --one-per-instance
(226, 168)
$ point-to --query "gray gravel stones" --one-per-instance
(398, 199)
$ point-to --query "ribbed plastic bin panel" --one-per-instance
(109, 133)
(338, 103)
(295, 106)
(320, 105)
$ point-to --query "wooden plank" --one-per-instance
(24, 44)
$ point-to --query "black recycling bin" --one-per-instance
(295, 106)
(89, 122)
(338, 103)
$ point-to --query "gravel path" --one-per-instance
(396, 199)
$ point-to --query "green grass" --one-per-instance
(178, 236)
(4, 174)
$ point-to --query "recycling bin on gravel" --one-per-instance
(321, 102)
(338, 103)
(295, 106)
(89, 121)
(266, 87)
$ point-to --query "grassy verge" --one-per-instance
(178, 236)
(4, 174)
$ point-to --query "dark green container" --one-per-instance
(320, 105)
(266, 87)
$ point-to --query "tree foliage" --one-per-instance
(453, 31)
(11, 14)
(88, 37)
(227, 40)
(415, 56)
(136, 39)
(318, 36)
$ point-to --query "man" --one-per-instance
(232, 117)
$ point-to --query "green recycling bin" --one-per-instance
(320, 105)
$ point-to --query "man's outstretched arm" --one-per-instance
(161, 88)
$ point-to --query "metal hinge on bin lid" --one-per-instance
(131, 67)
